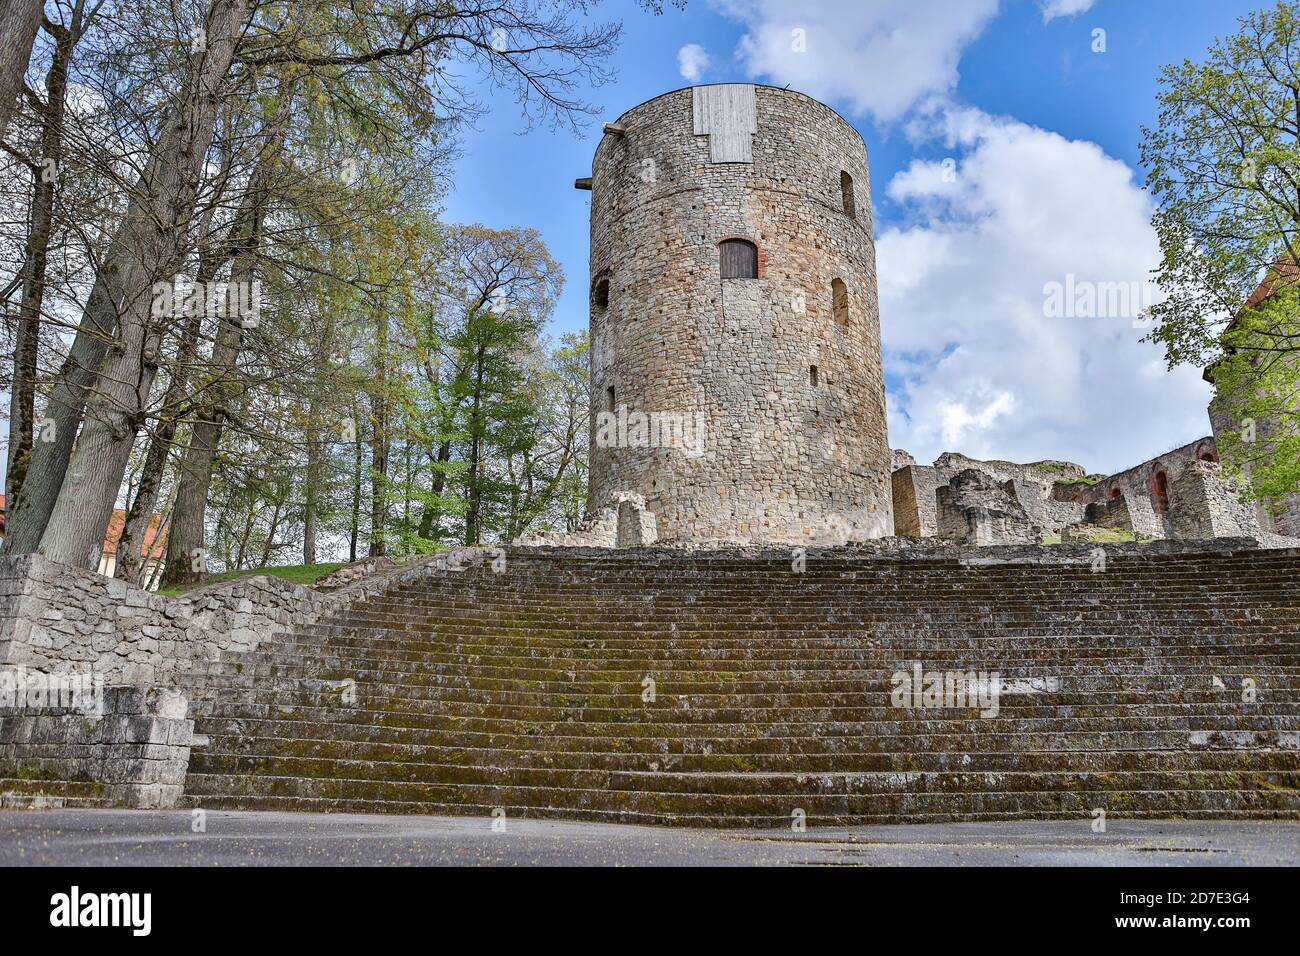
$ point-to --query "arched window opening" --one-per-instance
(609, 395)
(812, 375)
(739, 259)
(840, 302)
(1160, 492)
(600, 293)
(846, 194)
(1114, 493)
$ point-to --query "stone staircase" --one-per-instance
(728, 689)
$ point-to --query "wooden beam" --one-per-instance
(583, 183)
(618, 129)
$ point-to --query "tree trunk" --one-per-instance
(473, 493)
(19, 21)
(379, 441)
(309, 507)
(269, 548)
(356, 494)
(149, 247)
(186, 553)
(243, 539)
(22, 411)
(129, 556)
(437, 485)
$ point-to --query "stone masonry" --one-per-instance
(1150, 680)
(55, 618)
(779, 376)
(915, 489)
(976, 509)
(1146, 488)
(132, 748)
(148, 657)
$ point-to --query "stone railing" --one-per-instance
(120, 746)
(62, 626)
(57, 618)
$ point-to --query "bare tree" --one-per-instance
(44, 170)
(150, 247)
(19, 21)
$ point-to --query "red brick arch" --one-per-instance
(1160, 491)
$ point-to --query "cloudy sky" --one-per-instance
(1003, 143)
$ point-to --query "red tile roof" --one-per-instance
(154, 544)
(1281, 273)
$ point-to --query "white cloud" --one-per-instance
(692, 61)
(1063, 8)
(880, 57)
(961, 280)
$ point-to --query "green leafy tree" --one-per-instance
(1224, 165)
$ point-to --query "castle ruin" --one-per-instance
(736, 381)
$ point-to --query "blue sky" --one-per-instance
(1039, 135)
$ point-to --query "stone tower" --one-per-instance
(736, 375)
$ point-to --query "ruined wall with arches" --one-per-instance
(1180, 494)
(778, 363)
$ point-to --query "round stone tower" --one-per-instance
(736, 375)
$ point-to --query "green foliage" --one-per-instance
(1259, 392)
(1224, 167)
(304, 574)
(1089, 480)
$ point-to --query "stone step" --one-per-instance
(395, 642)
(394, 776)
(975, 733)
(681, 699)
(225, 733)
(776, 797)
(862, 659)
(741, 680)
(557, 810)
(22, 793)
(1282, 655)
(523, 690)
(1230, 752)
(376, 691)
(657, 632)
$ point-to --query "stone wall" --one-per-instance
(1199, 500)
(1284, 518)
(1111, 514)
(130, 748)
(65, 625)
(54, 617)
(1137, 485)
(915, 511)
(58, 618)
(1206, 505)
(915, 488)
(783, 454)
(624, 523)
(978, 510)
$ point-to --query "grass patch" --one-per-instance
(304, 574)
(1089, 480)
(1103, 536)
